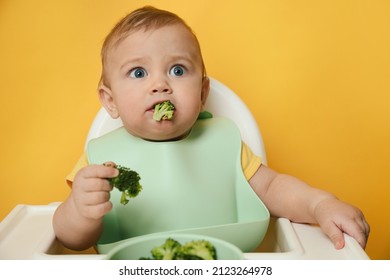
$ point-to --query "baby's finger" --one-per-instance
(360, 234)
(97, 197)
(97, 211)
(100, 171)
(366, 227)
(361, 239)
(109, 164)
(335, 234)
(94, 185)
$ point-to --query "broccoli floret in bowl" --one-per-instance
(167, 251)
(197, 250)
(175, 246)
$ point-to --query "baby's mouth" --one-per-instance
(163, 111)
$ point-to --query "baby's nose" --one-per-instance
(165, 89)
(161, 87)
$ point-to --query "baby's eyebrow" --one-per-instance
(188, 61)
(188, 58)
(133, 61)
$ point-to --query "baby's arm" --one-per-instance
(78, 220)
(289, 197)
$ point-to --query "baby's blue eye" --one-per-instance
(138, 73)
(177, 70)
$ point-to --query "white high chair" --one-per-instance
(27, 231)
(222, 101)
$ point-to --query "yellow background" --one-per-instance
(314, 73)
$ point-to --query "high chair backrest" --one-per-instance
(222, 101)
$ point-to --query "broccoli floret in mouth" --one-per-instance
(163, 111)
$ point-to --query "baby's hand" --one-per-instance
(337, 217)
(91, 190)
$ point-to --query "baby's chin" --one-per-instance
(159, 136)
(166, 138)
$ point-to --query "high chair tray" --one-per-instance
(27, 233)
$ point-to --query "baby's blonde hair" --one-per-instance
(144, 18)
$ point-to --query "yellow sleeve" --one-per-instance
(82, 162)
(249, 161)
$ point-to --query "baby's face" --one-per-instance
(149, 67)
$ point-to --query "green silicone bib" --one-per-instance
(192, 185)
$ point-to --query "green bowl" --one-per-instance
(140, 247)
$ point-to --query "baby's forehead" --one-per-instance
(115, 53)
(178, 29)
(167, 36)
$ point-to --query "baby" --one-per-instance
(149, 57)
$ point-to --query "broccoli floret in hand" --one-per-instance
(163, 111)
(128, 182)
(166, 251)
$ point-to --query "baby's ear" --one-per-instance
(205, 90)
(107, 100)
